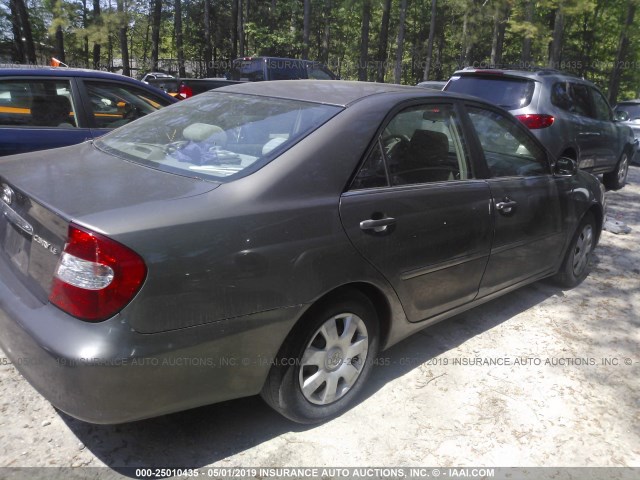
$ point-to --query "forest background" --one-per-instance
(399, 41)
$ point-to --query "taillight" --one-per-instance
(185, 91)
(534, 121)
(96, 276)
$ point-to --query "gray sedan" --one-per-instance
(271, 239)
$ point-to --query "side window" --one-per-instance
(560, 96)
(37, 103)
(114, 105)
(581, 100)
(508, 151)
(602, 109)
(373, 173)
(423, 144)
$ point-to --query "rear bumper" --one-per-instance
(107, 373)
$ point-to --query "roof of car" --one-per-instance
(333, 92)
(36, 70)
(533, 74)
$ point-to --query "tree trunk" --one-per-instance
(179, 38)
(499, 25)
(156, 19)
(397, 73)
(122, 37)
(306, 28)
(85, 40)
(555, 51)
(59, 45)
(18, 50)
(324, 54)
(97, 20)
(240, 25)
(234, 29)
(384, 40)
(526, 42)
(432, 30)
(463, 52)
(208, 53)
(621, 55)
(364, 41)
(25, 24)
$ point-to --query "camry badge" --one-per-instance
(48, 245)
(7, 194)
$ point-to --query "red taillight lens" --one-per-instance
(96, 276)
(535, 121)
(185, 91)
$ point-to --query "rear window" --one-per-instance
(216, 135)
(633, 109)
(506, 92)
(248, 70)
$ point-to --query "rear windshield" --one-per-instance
(508, 93)
(217, 136)
(633, 109)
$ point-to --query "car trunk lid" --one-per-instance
(42, 192)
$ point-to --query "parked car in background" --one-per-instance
(257, 69)
(628, 112)
(271, 238)
(155, 75)
(433, 84)
(43, 108)
(182, 88)
(569, 115)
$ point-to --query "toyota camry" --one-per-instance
(271, 238)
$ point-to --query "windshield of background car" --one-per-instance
(633, 109)
(506, 92)
(217, 136)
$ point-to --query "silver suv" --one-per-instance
(569, 115)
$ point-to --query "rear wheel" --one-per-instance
(575, 266)
(325, 362)
(615, 180)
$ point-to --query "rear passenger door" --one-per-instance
(609, 145)
(417, 212)
(38, 113)
(525, 208)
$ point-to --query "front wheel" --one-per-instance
(325, 361)
(575, 266)
(616, 180)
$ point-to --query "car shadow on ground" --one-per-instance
(205, 435)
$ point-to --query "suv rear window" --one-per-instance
(506, 92)
(633, 109)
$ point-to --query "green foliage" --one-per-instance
(463, 34)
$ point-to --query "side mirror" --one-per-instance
(621, 116)
(565, 167)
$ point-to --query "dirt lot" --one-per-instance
(541, 377)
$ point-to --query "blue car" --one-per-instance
(45, 107)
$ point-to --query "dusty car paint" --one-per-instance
(233, 268)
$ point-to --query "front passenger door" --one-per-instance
(526, 208)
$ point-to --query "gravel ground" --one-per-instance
(540, 377)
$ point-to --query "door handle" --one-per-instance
(379, 225)
(506, 206)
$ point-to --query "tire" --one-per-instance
(575, 266)
(616, 180)
(332, 366)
